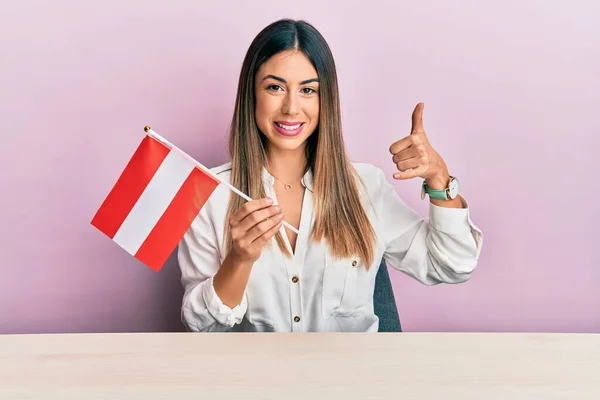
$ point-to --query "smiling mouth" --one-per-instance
(289, 127)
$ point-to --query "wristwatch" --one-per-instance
(441, 194)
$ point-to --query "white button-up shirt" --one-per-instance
(313, 291)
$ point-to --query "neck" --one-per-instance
(287, 165)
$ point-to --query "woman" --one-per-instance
(243, 270)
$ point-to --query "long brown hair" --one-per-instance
(340, 218)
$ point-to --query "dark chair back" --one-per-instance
(384, 301)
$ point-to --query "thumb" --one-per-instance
(417, 119)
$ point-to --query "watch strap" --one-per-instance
(438, 194)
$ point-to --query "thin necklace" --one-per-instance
(287, 186)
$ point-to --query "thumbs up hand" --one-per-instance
(415, 157)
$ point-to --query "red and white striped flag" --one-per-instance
(155, 200)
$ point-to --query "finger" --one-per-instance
(405, 154)
(405, 165)
(263, 227)
(257, 217)
(417, 119)
(401, 144)
(248, 208)
(416, 150)
(413, 173)
(265, 237)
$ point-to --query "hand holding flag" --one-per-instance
(252, 226)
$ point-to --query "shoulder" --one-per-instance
(373, 183)
(223, 171)
(371, 177)
(366, 170)
(373, 186)
(217, 203)
(222, 192)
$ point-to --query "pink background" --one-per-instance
(511, 92)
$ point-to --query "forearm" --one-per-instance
(231, 279)
(444, 249)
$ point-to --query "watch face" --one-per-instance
(453, 188)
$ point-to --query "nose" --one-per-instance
(290, 106)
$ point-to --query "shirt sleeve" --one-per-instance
(198, 256)
(443, 249)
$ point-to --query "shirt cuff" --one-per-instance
(221, 312)
(453, 221)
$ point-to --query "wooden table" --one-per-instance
(300, 366)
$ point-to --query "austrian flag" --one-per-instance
(154, 201)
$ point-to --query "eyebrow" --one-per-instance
(284, 81)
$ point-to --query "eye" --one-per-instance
(308, 90)
(274, 88)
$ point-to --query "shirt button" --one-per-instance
(354, 263)
(295, 279)
(296, 319)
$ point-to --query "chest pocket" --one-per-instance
(345, 287)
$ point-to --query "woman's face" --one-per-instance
(287, 99)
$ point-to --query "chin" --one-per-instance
(287, 143)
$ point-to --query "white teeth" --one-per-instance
(288, 128)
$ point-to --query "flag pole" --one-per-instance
(161, 139)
